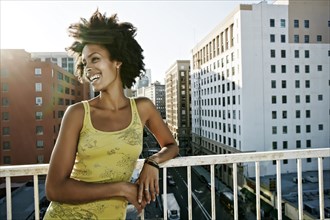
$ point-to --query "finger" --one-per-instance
(147, 193)
(157, 187)
(140, 193)
(138, 207)
(152, 192)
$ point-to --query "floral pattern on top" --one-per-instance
(102, 157)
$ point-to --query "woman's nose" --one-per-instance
(88, 71)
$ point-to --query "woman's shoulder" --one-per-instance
(143, 102)
(76, 109)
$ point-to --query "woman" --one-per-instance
(101, 139)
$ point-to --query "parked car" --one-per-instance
(295, 180)
(312, 179)
(170, 181)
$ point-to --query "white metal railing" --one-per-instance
(211, 160)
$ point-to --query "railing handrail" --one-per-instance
(190, 161)
(41, 169)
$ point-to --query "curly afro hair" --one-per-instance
(117, 38)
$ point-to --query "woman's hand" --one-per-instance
(148, 183)
(131, 195)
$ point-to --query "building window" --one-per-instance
(273, 84)
(297, 98)
(282, 23)
(284, 114)
(39, 130)
(306, 53)
(283, 84)
(39, 101)
(5, 116)
(308, 129)
(38, 115)
(37, 71)
(297, 113)
(319, 38)
(283, 68)
(283, 53)
(296, 38)
(320, 127)
(272, 38)
(298, 130)
(273, 114)
(319, 67)
(285, 129)
(5, 102)
(308, 113)
(282, 38)
(6, 160)
(296, 53)
(40, 159)
(308, 143)
(272, 53)
(306, 23)
(306, 39)
(297, 84)
(40, 144)
(296, 23)
(5, 87)
(274, 144)
(308, 160)
(285, 145)
(284, 99)
(320, 97)
(59, 76)
(5, 131)
(308, 98)
(38, 87)
(296, 69)
(274, 130)
(307, 84)
(298, 144)
(307, 70)
(285, 161)
(273, 99)
(272, 22)
(6, 145)
(273, 68)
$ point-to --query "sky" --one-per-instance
(166, 30)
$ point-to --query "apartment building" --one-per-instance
(260, 82)
(34, 96)
(177, 93)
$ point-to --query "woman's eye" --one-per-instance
(95, 59)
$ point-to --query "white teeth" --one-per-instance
(95, 77)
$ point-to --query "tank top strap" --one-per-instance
(135, 112)
(87, 112)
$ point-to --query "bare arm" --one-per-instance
(60, 187)
(169, 148)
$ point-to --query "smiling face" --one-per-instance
(99, 69)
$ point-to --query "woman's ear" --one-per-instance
(118, 64)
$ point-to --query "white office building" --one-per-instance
(260, 82)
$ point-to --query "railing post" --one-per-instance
(189, 193)
(300, 190)
(258, 190)
(321, 192)
(36, 197)
(212, 192)
(235, 191)
(165, 193)
(8, 197)
(279, 189)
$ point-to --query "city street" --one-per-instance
(200, 193)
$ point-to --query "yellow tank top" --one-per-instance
(102, 157)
